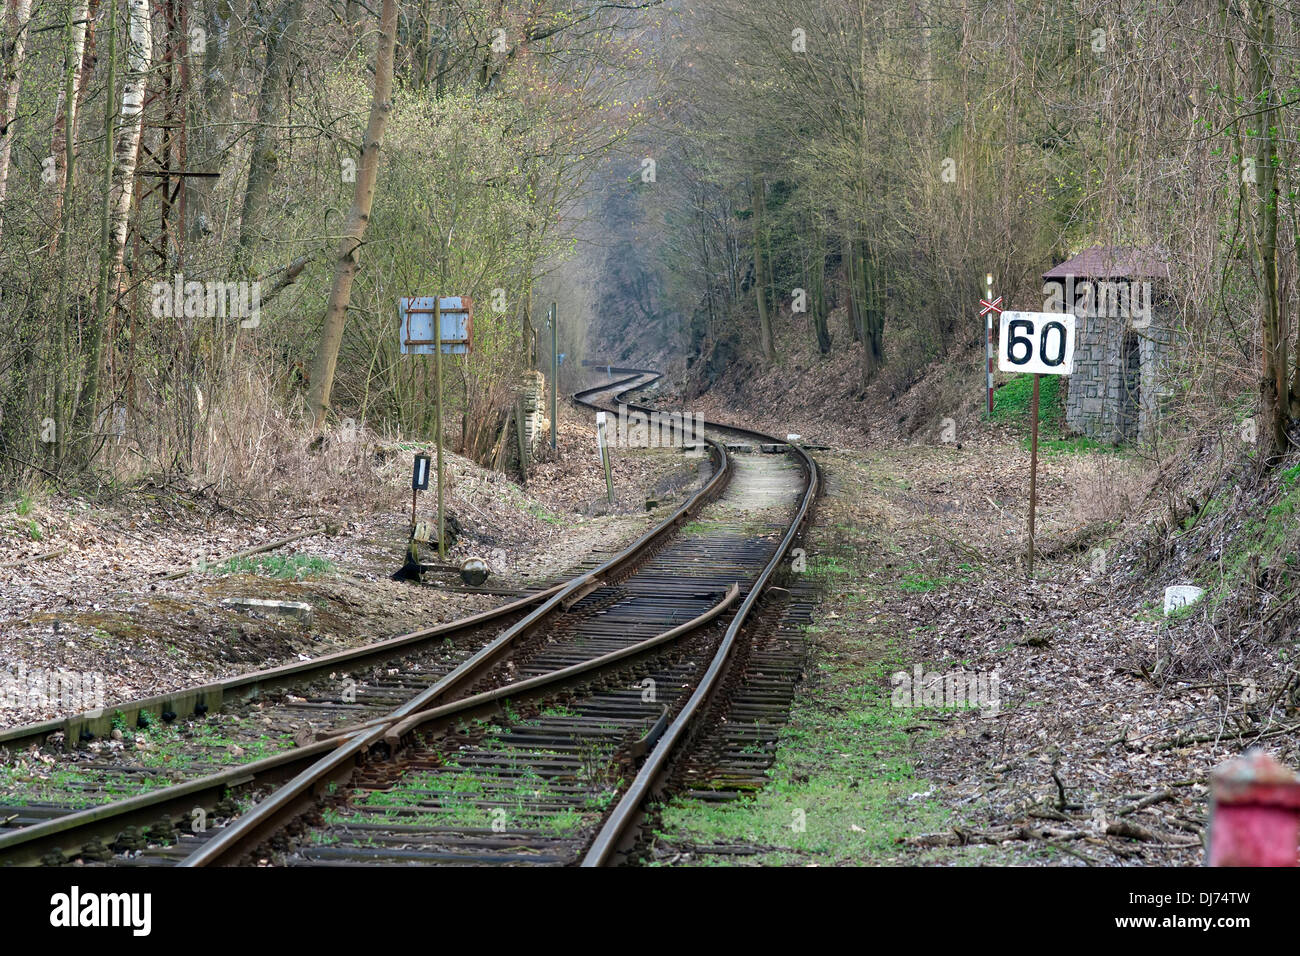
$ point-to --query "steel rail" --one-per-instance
(248, 686)
(31, 843)
(627, 813)
(336, 756)
(238, 839)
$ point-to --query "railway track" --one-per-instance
(538, 745)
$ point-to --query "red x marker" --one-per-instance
(994, 306)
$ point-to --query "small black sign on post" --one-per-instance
(420, 473)
(419, 480)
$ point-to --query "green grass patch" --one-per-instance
(919, 583)
(1267, 539)
(293, 567)
(843, 787)
(1014, 401)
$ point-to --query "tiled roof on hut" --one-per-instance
(1109, 262)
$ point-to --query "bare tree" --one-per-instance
(264, 161)
(363, 199)
(18, 18)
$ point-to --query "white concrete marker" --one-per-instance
(295, 609)
(1181, 595)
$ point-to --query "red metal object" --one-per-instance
(1255, 813)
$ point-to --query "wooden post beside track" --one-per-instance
(1033, 473)
(437, 385)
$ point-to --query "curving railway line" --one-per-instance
(539, 744)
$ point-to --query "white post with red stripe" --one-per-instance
(990, 306)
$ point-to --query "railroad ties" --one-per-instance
(433, 749)
(531, 785)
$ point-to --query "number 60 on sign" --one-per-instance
(1041, 342)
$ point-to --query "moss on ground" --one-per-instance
(843, 785)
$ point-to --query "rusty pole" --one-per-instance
(437, 385)
(1033, 474)
(555, 373)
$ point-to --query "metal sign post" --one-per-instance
(990, 305)
(1033, 476)
(603, 443)
(422, 332)
(555, 372)
(1039, 343)
(437, 385)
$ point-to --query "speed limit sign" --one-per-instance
(1041, 342)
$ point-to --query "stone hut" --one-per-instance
(1124, 335)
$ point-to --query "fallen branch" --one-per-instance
(1215, 738)
(1150, 800)
(19, 562)
(1123, 829)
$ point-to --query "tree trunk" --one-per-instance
(18, 17)
(264, 161)
(1274, 391)
(1295, 375)
(88, 402)
(209, 134)
(817, 294)
(870, 310)
(760, 270)
(345, 270)
(67, 112)
(139, 55)
(853, 304)
(64, 150)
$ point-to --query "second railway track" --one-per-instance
(541, 746)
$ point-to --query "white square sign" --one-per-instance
(1040, 342)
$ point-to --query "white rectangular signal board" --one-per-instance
(1041, 342)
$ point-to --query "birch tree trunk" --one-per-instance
(18, 17)
(139, 54)
(363, 198)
